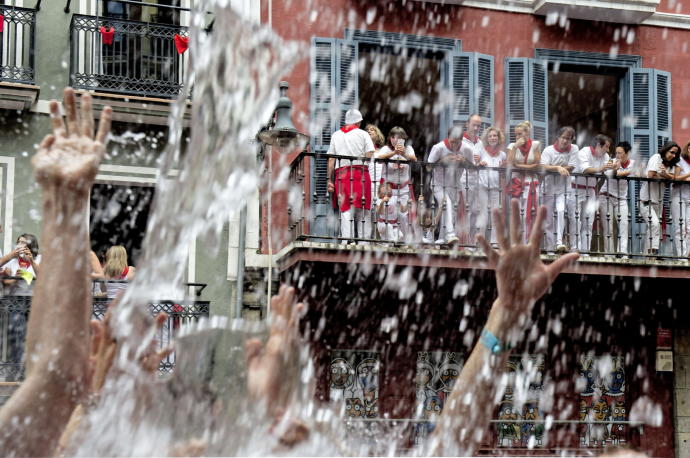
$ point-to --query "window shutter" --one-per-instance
(641, 97)
(539, 100)
(663, 119)
(484, 96)
(322, 97)
(516, 94)
(347, 78)
(471, 83)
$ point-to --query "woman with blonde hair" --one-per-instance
(491, 154)
(524, 155)
(117, 270)
(375, 167)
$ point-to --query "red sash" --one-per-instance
(352, 188)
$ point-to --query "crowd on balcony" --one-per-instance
(372, 182)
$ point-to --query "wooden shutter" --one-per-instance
(663, 120)
(516, 93)
(539, 100)
(471, 83)
(484, 94)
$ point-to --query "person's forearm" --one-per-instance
(331, 168)
(471, 404)
(592, 171)
(5, 259)
(56, 368)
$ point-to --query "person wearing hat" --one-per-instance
(351, 184)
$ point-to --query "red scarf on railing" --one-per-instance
(348, 127)
(2, 23)
(107, 35)
(181, 43)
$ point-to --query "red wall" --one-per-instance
(500, 34)
(674, 6)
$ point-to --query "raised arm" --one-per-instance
(57, 339)
(521, 279)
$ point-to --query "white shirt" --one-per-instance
(444, 174)
(490, 178)
(652, 191)
(468, 149)
(587, 158)
(617, 187)
(683, 188)
(353, 143)
(531, 159)
(397, 172)
(556, 184)
(20, 287)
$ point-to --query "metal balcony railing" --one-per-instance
(14, 312)
(445, 202)
(17, 44)
(127, 57)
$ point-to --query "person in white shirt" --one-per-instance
(375, 167)
(351, 187)
(24, 262)
(680, 209)
(524, 156)
(491, 155)
(662, 165)
(594, 161)
(561, 158)
(387, 214)
(613, 201)
(469, 187)
(396, 172)
(445, 181)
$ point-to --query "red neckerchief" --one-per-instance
(107, 35)
(493, 151)
(181, 43)
(24, 263)
(447, 143)
(624, 165)
(555, 146)
(347, 128)
(466, 135)
(526, 147)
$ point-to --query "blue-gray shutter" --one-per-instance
(516, 93)
(663, 120)
(539, 101)
(642, 111)
(471, 82)
(526, 96)
(347, 78)
(323, 80)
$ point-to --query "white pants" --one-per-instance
(650, 212)
(559, 204)
(680, 212)
(402, 196)
(355, 217)
(446, 199)
(586, 204)
(389, 231)
(487, 199)
(613, 209)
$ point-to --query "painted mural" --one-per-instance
(602, 401)
(355, 382)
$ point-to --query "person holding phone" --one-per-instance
(396, 172)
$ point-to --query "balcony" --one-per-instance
(133, 66)
(617, 245)
(14, 312)
(17, 71)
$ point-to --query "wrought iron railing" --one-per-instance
(127, 57)
(582, 216)
(14, 313)
(17, 44)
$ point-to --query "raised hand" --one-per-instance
(521, 277)
(267, 365)
(69, 157)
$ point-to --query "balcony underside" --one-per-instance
(17, 96)
(301, 251)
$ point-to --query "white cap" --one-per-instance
(353, 116)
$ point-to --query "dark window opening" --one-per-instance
(161, 15)
(119, 215)
(586, 98)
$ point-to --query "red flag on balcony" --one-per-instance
(2, 23)
(108, 35)
(181, 43)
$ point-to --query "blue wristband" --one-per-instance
(492, 343)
